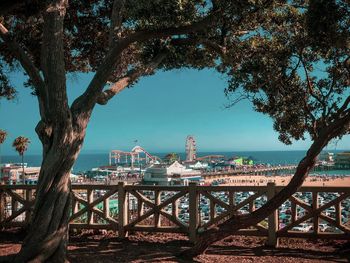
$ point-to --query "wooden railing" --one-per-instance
(319, 212)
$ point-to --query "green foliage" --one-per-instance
(6, 89)
(327, 24)
(295, 67)
(3, 135)
(291, 58)
(171, 157)
(87, 29)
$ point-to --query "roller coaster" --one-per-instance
(132, 157)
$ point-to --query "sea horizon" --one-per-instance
(87, 161)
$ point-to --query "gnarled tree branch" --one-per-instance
(219, 49)
(237, 222)
(116, 20)
(345, 105)
(312, 91)
(130, 78)
(28, 66)
(88, 99)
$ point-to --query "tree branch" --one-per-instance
(344, 106)
(219, 49)
(130, 78)
(116, 20)
(312, 92)
(28, 66)
(52, 60)
(88, 99)
(237, 222)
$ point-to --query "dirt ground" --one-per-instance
(89, 247)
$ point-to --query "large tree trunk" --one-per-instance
(47, 236)
(237, 222)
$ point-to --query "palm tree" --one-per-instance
(21, 145)
(3, 135)
(171, 157)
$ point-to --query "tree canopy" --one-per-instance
(295, 67)
(157, 34)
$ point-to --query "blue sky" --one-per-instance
(160, 111)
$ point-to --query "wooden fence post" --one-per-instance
(272, 219)
(140, 207)
(90, 199)
(29, 194)
(122, 210)
(175, 208)
(106, 207)
(338, 213)
(193, 210)
(157, 200)
(232, 201)
(75, 205)
(294, 211)
(212, 209)
(314, 207)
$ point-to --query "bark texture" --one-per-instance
(47, 237)
(62, 137)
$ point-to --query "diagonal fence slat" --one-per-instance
(155, 207)
(314, 212)
(215, 200)
(233, 209)
(300, 203)
(16, 196)
(90, 206)
(334, 223)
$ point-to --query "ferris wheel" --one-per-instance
(191, 149)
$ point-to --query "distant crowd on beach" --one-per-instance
(261, 180)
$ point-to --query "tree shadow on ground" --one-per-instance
(156, 248)
(264, 251)
(118, 250)
(10, 244)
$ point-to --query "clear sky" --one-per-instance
(159, 112)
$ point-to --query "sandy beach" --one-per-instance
(260, 180)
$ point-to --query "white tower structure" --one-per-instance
(191, 149)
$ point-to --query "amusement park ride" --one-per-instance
(191, 152)
(139, 155)
(191, 149)
(134, 156)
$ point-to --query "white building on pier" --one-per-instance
(159, 174)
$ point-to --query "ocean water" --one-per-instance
(87, 161)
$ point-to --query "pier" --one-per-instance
(248, 171)
(191, 209)
(211, 176)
